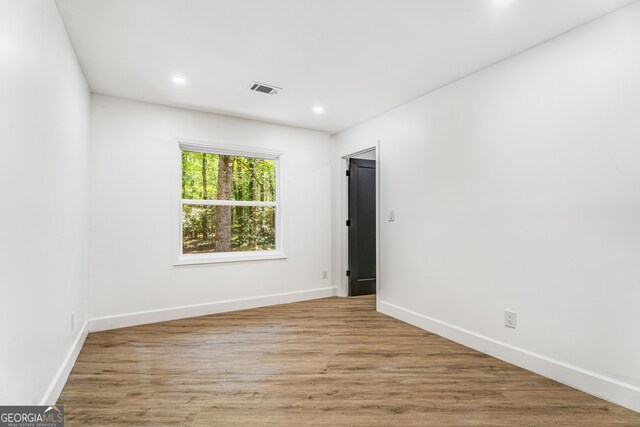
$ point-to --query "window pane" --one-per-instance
(216, 177)
(208, 229)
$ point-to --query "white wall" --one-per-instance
(44, 139)
(135, 169)
(519, 188)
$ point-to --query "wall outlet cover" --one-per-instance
(510, 319)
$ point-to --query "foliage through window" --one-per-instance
(229, 203)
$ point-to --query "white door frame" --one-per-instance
(343, 290)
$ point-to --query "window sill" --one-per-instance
(195, 259)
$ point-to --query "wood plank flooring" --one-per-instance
(331, 362)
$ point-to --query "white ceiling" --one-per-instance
(357, 58)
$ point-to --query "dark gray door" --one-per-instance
(362, 227)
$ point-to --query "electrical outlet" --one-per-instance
(73, 320)
(325, 274)
(510, 319)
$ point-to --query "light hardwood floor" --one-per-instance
(333, 362)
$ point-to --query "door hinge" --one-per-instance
(348, 172)
(348, 223)
(348, 273)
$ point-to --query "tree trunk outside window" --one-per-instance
(223, 213)
(205, 223)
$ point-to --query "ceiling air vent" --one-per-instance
(264, 88)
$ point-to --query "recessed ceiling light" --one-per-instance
(318, 109)
(179, 80)
(502, 3)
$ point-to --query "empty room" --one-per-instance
(320, 212)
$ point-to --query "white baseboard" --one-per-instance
(173, 313)
(593, 383)
(60, 379)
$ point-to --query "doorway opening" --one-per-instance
(361, 223)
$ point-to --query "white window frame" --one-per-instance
(231, 150)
